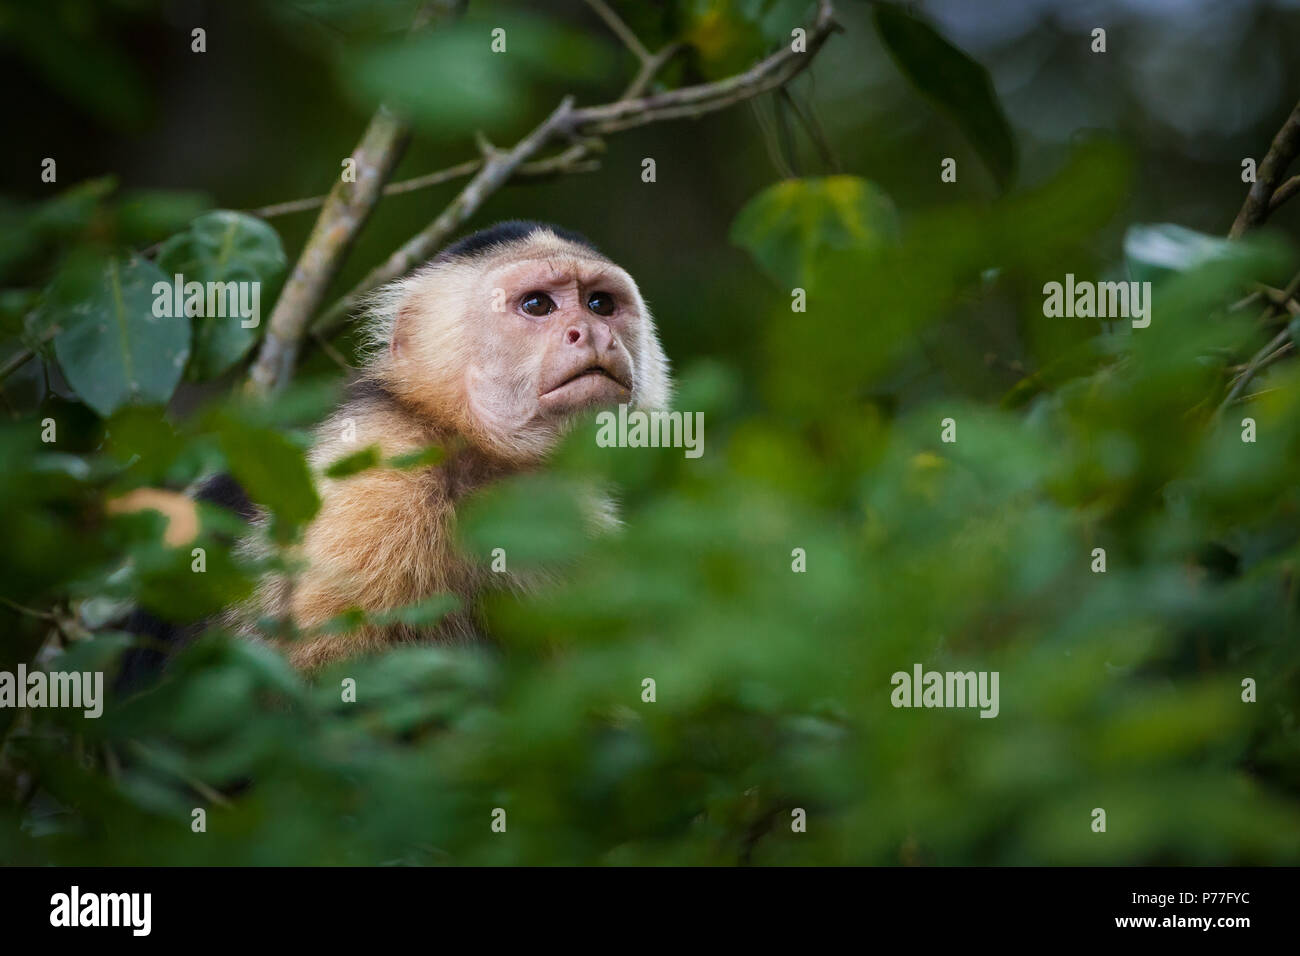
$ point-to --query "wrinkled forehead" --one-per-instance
(553, 264)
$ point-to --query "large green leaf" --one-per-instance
(953, 82)
(112, 348)
(789, 225)
(536, 519)
(272, 471)
(224, 246)
(449, 80)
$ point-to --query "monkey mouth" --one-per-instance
(594, 370)
(593, 384)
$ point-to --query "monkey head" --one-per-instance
(509, 334)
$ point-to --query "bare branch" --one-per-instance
(1268, 177)
(1275, 349)
(621, 29)
(1283, 193)
(341, 218)
(346, 210)
(498, 168)
(693, 101)
(1279, 300)
(571, 161)
(650, 69)
(567, 122)
(16, 361)
(406, 185)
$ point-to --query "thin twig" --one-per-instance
(331, 351)
(813, 127)
(1268, 177)
(16, 361)
(1246, 301)
(1283, 193)
(784, 133)
(650, 69)
(1263, 358)
(770, 143)
(621, 29)
(31, 612)
(1278, 346)
(1280, 299)
(198, 786)
(575, 160)
(698, 100)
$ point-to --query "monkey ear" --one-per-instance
(397, 344)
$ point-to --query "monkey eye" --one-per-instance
(537, 304)
(602, 303)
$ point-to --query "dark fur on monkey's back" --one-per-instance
(504, 233)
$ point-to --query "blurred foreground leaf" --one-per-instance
(111, 346)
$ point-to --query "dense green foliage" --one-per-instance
(1120, 690)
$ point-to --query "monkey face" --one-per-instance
(569, 320)
(513, 345)
(563, 336)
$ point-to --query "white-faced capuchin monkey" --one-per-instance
(488, 351)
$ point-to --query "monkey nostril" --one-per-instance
(573, 336)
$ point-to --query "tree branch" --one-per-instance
(344, 213)
(1278, 300)
(1275, 349)
(497, 168)
(1268, 177)
(692, 101)
(1283, 193)
(346, 210)
(16, 361)
(650, 69)
(570, 161)
(626, 112)
(621, 29)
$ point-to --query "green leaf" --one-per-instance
(272, 471)
(112, 348)
(358, 461)
(788, 226)
(224, 246)
(449, 80)
(1153, 251)
(70, 211)
(953, 82)
(537, 519)
(425, 613)
(423, 458)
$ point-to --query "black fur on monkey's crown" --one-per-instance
(505, 233)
